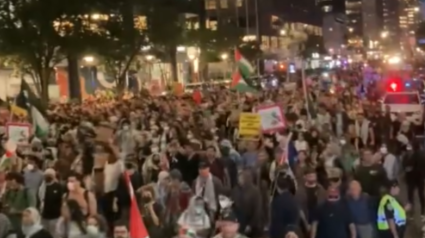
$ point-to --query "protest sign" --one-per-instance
(18, 132)
(272, 118)
(104, 133)
(249, 124)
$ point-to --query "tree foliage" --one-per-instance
(121, 38)
(34, 34)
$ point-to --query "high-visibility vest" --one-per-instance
(398, 211)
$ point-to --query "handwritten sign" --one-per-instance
(249, 124)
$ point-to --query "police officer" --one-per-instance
(391, 214)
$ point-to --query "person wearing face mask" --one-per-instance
(332, 218)
(85, 199)
(125, 138)
(151, 211)
(348, 155)
(229, 227)
(33, 176)
(96, 227)
(195, 217)
(31, 224)
(51, 193)
(389, 162)
(413, 166)
(247, 205)
(309, 194)
(284, 208)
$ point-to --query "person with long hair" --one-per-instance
(71, 224)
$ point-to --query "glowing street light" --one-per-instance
(394, 60)
(416, 9)
(95, 16)
(282, 32)
(384, 34)
(88, 59)
(149, 57)
(224, 56)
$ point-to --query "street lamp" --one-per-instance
(384, 34)
(191, 56)
(95, 16)
(282, 32)
(149, 57)
(224, 56)
(88, 59)
(416, 9)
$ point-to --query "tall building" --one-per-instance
(390, 13)
(270, 21)
(333, 25)
(354, 25)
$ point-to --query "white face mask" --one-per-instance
(30, 167)
(383, 150)
(93, 230)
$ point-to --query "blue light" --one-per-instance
(407, 84)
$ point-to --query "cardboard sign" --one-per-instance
(249, 124)
(272, 118)
(104, 133)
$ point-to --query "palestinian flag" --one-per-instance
(243, 72)
(6, 159)
(32, 104)
(137, 227)
(239, 84)
(244, 67)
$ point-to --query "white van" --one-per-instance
(408, 103)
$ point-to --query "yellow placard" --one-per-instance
(249, 124)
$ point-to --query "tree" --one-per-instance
(35, 33)
(121, 38)
(167, 29)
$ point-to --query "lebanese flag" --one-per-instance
(137, 227)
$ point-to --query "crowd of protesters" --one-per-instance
(194, 177)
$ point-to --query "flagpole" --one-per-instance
(11, 111)
(306, 97)
(247, 17)
(237, 12)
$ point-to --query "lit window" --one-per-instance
(210, 4)
(224, 4)
(239, 3)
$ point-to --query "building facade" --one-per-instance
(333, 25)
(274, 23)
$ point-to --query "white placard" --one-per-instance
(272, 118)
(18, 132)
